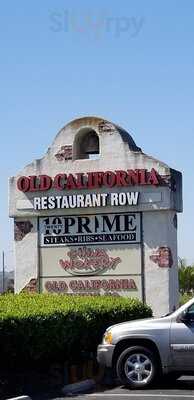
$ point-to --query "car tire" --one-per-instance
(137, 367)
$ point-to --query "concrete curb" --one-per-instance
(79, 387)
(20, 398)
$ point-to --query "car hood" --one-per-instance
(141, 325)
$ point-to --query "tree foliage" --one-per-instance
(186, 277)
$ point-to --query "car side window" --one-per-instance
(190, 312)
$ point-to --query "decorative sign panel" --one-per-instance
(128, 286)
(94, 260)
(90, 229)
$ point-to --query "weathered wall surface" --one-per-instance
(26, 253)
(160, 252)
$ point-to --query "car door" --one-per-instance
(182, 340)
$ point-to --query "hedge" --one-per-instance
(41, 329)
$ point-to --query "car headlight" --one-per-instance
(107, 339)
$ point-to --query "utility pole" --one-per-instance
(3, 275)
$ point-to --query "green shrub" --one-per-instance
(40, 329)
(184, 298)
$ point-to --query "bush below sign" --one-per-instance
(40, 329)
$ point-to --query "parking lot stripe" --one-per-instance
(167, 395)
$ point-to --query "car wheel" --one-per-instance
(137, 367)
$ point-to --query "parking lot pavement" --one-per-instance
(182, 389)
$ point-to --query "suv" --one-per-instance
(143, 350)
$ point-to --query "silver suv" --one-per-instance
(141, 351)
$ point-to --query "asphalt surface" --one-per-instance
(182, 389)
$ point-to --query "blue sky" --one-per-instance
(131, 62)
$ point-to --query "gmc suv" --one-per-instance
(143, 350)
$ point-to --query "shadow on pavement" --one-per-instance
(185, 383)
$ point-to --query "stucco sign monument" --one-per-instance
(97, 216)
